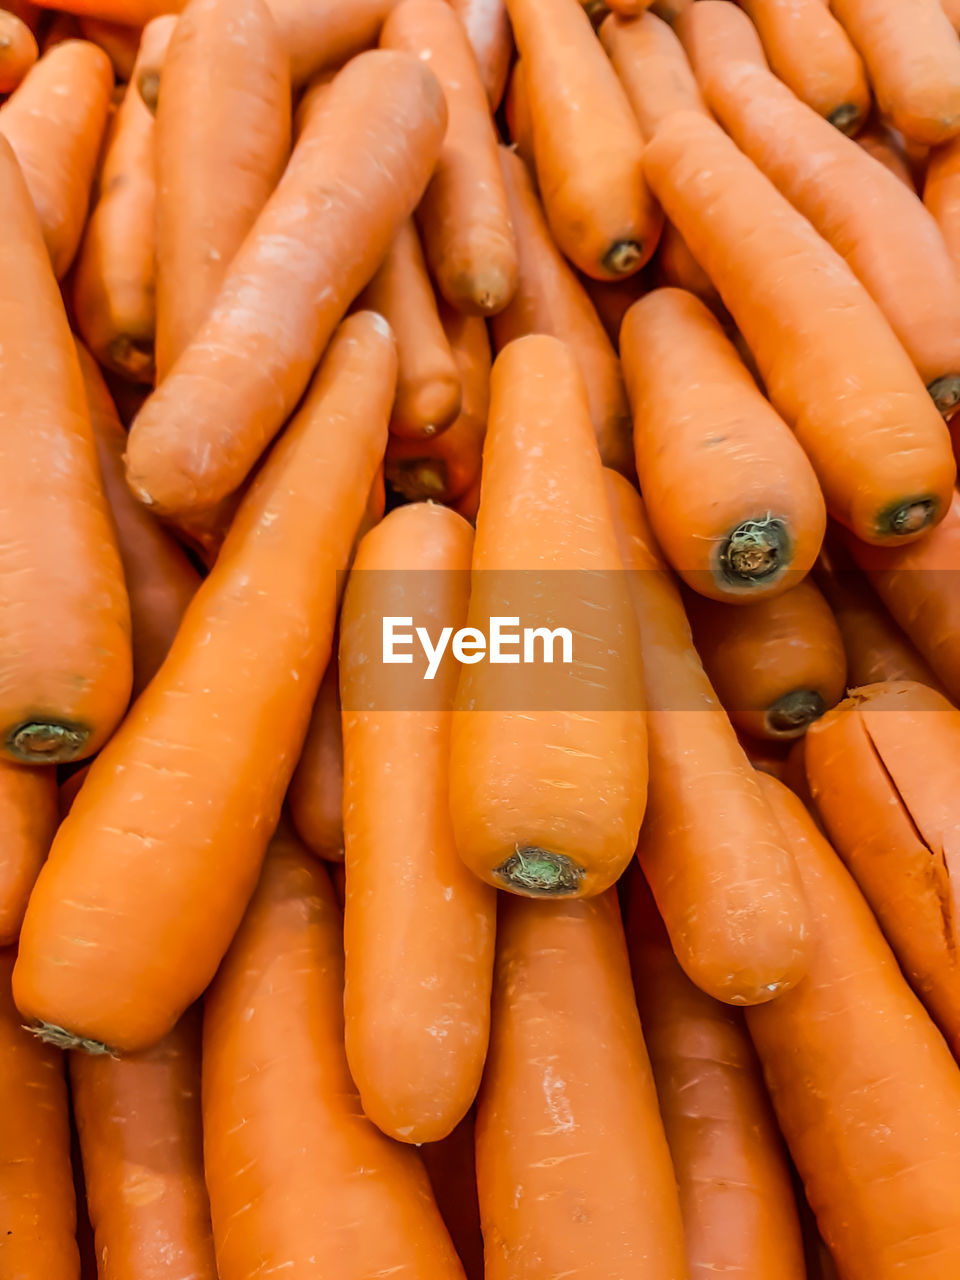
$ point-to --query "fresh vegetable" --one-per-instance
(516, 110)
(885, 145)
(18, 50)
(451, 1166)
(118, 40)
(28, 820)
(315, 797)
(653, 69)
(322, 37)
(488, 29)
(677, 268)
(941, 194)
(154, 43)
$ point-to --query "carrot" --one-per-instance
(298, 1176)
(154, 43)
(443, 467)
(134, 13)
(468, 505)
(911, 55)
(880, 768)
(138, 1120)
(28, 820)
(118, 40)
(419, 957)
(548, 772)
(612, 299)
(428, 382)
(811, 53)
(669, 10)
(677, 268)
(653, 69)
(54, 123)
(551, 300)
(177, 843)
(315, 797)
(886, 146)
(842, 381)
(952, 9)
(302, 264)
(709, 847)
(776, 665)
(767, 755)
(890, 242)
(587, 143)
(463, 216)
(919, 587)
(27, 12)
(763, 525)
(38, 1212)
(18, 50)
(865, 1090)
(223, 137)
(518, 117)
(737, 1202)
(322, 37)
(941, 195)
(573, 1168)
(488, 29)
(451, 1167)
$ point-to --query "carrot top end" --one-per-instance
(847, 117)
(907, 518)
(538, 873)
(789, 716)
(945, 393)
(60, 1039)
(754, 552)
(46, 742)
(623, 258)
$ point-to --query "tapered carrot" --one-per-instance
(888, 239)
(573, 1168)
(548, 770)
(419, 957)
(245, 667)
(322, 37)
(519, 120)
(912, 59)
(866, 1092)
(463, 217)
(443, 467)
(313, 1188)
(709, 847)
(28, 820)
(303, 262)
(669, 10)
(653, 69)
(767, 755)
(880, 767)
(488, 29)
(831, 364)
(38, 1212)
(64, 617)
(451, 1166)
(886, 146)
(551, 300)
(138, 1119)
(223, 137)
(118, 40)
(154, 43)
(587, 143)
(737, 1202)
(315, 798)
(18, 50)
(776, 665)
(428, 382)
(54, 123)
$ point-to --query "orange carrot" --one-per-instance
(737, 1202)
(551, 300)
(468, 505)
(841, 380)
(315, 798)
(62, 27)
(428, 382)
(302, 264)
(762, 524)
(880, 767)
(322, 37)
(135, 13)
(886, 146)
(173, 838)
(488, 30)
(118, 40)
(28, 820)
(776, 665)
(941, 194)
(154, 43)
(519, 119)
(587, 143)
(18, 50)
(653, 69)
(138, 1120)
(451, 1166)
(952, 9)
(54, 123)
(709, 847)
(223, 137)
(312, 1187)
(612, 299)
(677, 268)
(913, 61)
(548, 771)
(865, 1090)
(573, 1168)
(463, 216)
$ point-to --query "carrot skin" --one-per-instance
(28, 820)
(323, 37)
(941, 194)
(154, 43)
(451, 1166)
(653, 69)
(119, 41)
(886, 146)
(519, 120)
(315, 797)
(487, 25)
(18, 50)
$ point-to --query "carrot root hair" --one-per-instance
(60, 1039)
(755, 551)
(623, 257)
(945, 392)
(847, 117)
(908, 517)
(47, 742)
(790, 715)
(419, 478)
(538, 873)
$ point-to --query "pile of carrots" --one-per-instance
(314, 314)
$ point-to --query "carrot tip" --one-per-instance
(789, 716)
(946, 393)
(50, 1034)
(907, 517)
(418, 478)
(623, 258)
(846, 117)
(754, 552)
(538, 873)
(40, 742)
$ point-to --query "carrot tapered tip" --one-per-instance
(790, 715)
(755, 551)
(42, 742)
(60, 1039)
(946, 393)
(538, 873)
(623, 258)
(847, 117)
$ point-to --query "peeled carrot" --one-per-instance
(451, 1166)
(118, 40)
(890, 242)
(463, 216)
(573, 1168)
(551, 300)
(223, 137)
(653, 69)
(38, 1211)
(866, 1092)
(173, 838)
(885, 145)
(312, 1187)
(18, 50)
(322, 37)
(154, 43)
(516, 110)
(315, 798)
(831, 364)
(428, 383)
(28, 820)
(54, 123)
(548, 770)
(138, 1119)
(587, 143)
(202, 431)
(913, 61)
(941, 195)
(443, 467)
(736, 1199)
(488, 30)
(418, 926)
(776, 665)
(709, 847)
(880, 768)
(64, 689)
(763, 523)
